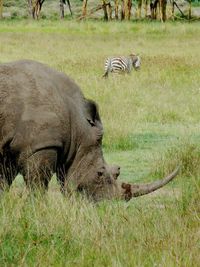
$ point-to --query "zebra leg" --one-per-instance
(105, 74)
(8, 171)
(108, 67)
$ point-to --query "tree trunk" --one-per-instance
(35, 7)
(62, 9)
(146, 8)
(123, 10)
(109, 11)
(129, 8)
(190, 10)
(30, 7)
(139, 9)
(156, 7)
(152, 10)
(69, 6)
(172, 5)
(105, 10)
(163, 5)
(128, 5)
(116, 9)
(1, 9)
(84, 8)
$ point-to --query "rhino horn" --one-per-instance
(136, 190)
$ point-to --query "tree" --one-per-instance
(104, 6)
(84, 8)
(62, 9)
(139, 9)
(146, 7)
(116, 9)
(163, 15)
(128, 9)
(1, 9)
(190, 9)
(122, 9)
(35, 7)
(161, 4)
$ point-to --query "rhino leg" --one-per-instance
(39, 168)
(8, 171)
(61, 174)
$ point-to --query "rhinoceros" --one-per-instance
(47, 126)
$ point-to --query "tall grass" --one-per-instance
(151, 123)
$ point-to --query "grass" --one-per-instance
(151, 122)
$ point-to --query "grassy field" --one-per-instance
(152, 123)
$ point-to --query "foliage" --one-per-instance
(50, 9)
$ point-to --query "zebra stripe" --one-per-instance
(121, 64)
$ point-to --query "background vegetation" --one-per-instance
(102, 9)
(151, 122)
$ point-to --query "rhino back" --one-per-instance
(35, 102)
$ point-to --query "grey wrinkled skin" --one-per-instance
(47, 126)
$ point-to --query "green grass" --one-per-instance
(151, 124)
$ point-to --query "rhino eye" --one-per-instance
(80, 188)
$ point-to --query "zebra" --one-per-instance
(122, 64)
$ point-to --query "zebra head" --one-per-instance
(136, 61)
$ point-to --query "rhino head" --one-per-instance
(107, 187)
(103, 183)
(93, 176)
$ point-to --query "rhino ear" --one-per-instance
(92, 112)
